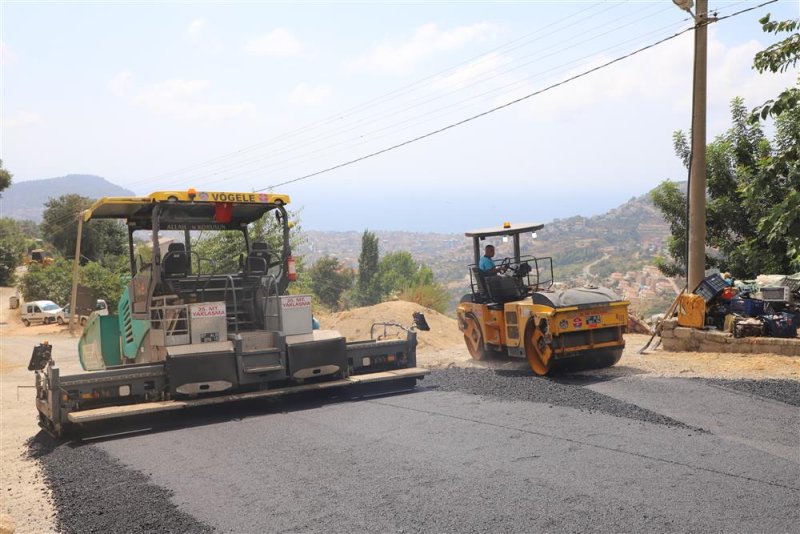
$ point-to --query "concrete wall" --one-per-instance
(681, 339)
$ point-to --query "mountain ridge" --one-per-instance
(25, 200)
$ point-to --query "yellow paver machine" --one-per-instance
(192, 330)
(517, 314)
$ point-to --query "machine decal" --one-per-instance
(233, 197)
(593, 321)
(299, 301)
(577, 322)
(212, 309)
(563, 325)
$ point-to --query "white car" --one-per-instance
(42, 311)
(100, 309)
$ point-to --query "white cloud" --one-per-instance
(662, 76)
(23, 119)
(308, 95)
(120, 84)
(427, 41)
(278, 43)
(177, 99)
(7, 57)
(183, 99)
(196, 29)
(472, 71)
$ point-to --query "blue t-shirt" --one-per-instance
(486, 264)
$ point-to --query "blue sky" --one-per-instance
(246, 95)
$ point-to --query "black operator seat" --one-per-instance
(176, 261)
(480, 281)
(258, 259)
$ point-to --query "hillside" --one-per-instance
(631, 232)
(25, 200)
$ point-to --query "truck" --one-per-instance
(187, 333)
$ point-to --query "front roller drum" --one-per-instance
(542, 361)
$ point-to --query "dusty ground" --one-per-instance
(26, 499)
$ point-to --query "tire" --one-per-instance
(26, 322)
(60, 320)
(473, 337)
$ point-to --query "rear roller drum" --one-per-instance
(538, 351)
(473, 337)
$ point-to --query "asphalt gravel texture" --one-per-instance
(785, 391)
(567, 390)
(93, 492)
(468, 451)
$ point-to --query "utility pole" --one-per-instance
(697, 182)
(73, 312)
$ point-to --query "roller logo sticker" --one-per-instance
(577, 322)
(233, 197)
(593, 321)
(563, 325)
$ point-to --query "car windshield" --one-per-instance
(50, 306)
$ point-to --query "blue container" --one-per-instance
(747, 307)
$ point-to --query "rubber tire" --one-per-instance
(539, 354)
(60, 320)
(473, 337)
(26, 322)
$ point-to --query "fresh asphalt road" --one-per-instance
(458, 455)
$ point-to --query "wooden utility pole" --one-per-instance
(73, 312)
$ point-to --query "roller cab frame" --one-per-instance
(186, 334)
(520, 315)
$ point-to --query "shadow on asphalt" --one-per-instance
(43, 443)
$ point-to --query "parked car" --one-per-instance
(100, 309)
(42, 311)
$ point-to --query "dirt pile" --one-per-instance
(355, 324)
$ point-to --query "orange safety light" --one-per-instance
(192, 192)
(506, 224)
(291, 270)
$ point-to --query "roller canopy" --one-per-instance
(510, 229)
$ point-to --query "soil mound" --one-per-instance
(355, 324)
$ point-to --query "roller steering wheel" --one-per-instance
(505, 265)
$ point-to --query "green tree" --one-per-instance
(746, 180)
(60, 228)
(368, 290)
(12, 247)
(5, 177)
(779, 57)
(329, 280)
(781, 172)
(54, 282)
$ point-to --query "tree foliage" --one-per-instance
(5, 177)
(12, 247)
(329, 280)
(368, 290)
(752, 184)
(54, 282)
(779, 57)
(60, 228)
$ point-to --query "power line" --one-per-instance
(483, 78)
(510, 103)
(373, 102)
